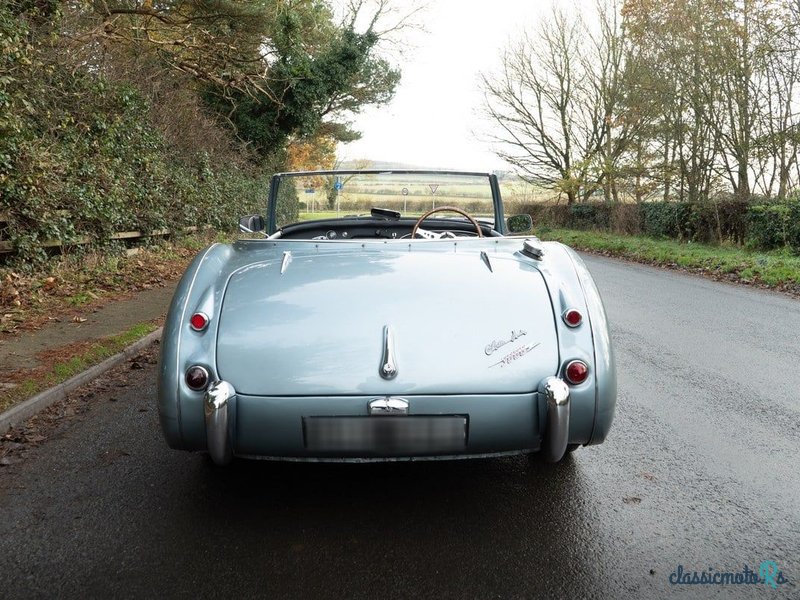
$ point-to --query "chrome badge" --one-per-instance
(495, 345)
(515, 355)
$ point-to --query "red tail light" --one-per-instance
(197, 378)
(199, 321)
(572, 317)
(576, 372)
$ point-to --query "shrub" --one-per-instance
(765, 225)
(626, 219)
(593, 215)
(775, 225)
(79, 156)
(677, 220)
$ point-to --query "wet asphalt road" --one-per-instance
(700, 469)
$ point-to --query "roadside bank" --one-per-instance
(37, 360)
(77, 311)
(775, 270)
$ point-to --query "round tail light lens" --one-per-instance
(197, 378)
(576, 372)
(572, 317)
(199, 321)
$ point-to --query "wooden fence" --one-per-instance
(7, 248)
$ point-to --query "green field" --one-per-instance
(322, 214)
(412, 195)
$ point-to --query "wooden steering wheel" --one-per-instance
(441, 209)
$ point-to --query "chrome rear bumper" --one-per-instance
(220, 417)
(556, 436)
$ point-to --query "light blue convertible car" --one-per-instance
(424, 325)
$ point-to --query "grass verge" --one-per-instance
(59, 371)
(777, 269)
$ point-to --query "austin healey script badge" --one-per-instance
(512, 355)
(495, 345)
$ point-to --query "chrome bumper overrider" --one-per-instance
(556, 435)
(219, 408)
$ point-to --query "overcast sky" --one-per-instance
(434, 116)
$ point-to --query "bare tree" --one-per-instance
(678, 98)
(560, 108)
(623, 116)
(537, 106)
(778, 140)
(672, 41)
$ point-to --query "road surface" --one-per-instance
(700, 470)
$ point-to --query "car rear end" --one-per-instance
(375, 351)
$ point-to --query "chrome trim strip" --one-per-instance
(383, 172)
(556, 436)
(287, 258)
(388, 368)
(486, 261)
(219, 409)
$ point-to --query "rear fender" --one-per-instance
(200, 289)
(571, 286)
(605, 366)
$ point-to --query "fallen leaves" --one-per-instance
(18, 442)
(91, 280)
(9, 290)
(14, 444)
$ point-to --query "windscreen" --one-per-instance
(301, 197)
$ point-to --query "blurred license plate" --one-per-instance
(386, 436)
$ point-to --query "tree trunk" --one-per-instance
(743, 183)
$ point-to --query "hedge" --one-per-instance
(80, 158)
(763, 225)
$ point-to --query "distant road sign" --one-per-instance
(405, 191)
(309, 190)
(338, 185)
(434, 187)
